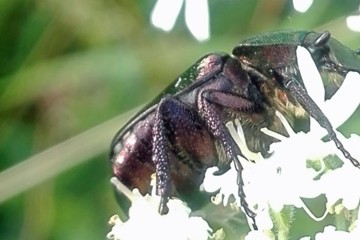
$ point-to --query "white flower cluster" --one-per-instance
(330, 233)
(145, 222)
(285, 178)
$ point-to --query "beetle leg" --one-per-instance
(215, 123)
(310, 106)
(229, 100)
(179, 132)
(161, 158)
(216, 126)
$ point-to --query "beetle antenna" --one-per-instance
(310, 106)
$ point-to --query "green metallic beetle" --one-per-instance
(182, 132)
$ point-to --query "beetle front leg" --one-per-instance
(216, 126)
(315, 112)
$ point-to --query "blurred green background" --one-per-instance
(69, 66)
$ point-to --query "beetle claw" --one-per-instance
(163, 208)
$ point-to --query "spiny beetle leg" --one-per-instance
(315, 112)
(215, 124)
(241, 194)
(180, 139)
(218, 129)
(161, 157)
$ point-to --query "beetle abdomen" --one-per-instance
(131, 156)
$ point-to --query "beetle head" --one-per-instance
(332, 58)
(277, 51)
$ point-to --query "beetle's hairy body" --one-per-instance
(182, 132)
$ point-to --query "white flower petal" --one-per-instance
(225, 182)
(339, 183)
(313, 84)
(330, 233)
(257, 235)
(197, 18)
(353, 22)
(165, 13)
(310, 75)
(344, 103)
(177, 224)
(263, 219)
(302, 5)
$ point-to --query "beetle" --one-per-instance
(182, 132)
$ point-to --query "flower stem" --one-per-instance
(281, 224)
